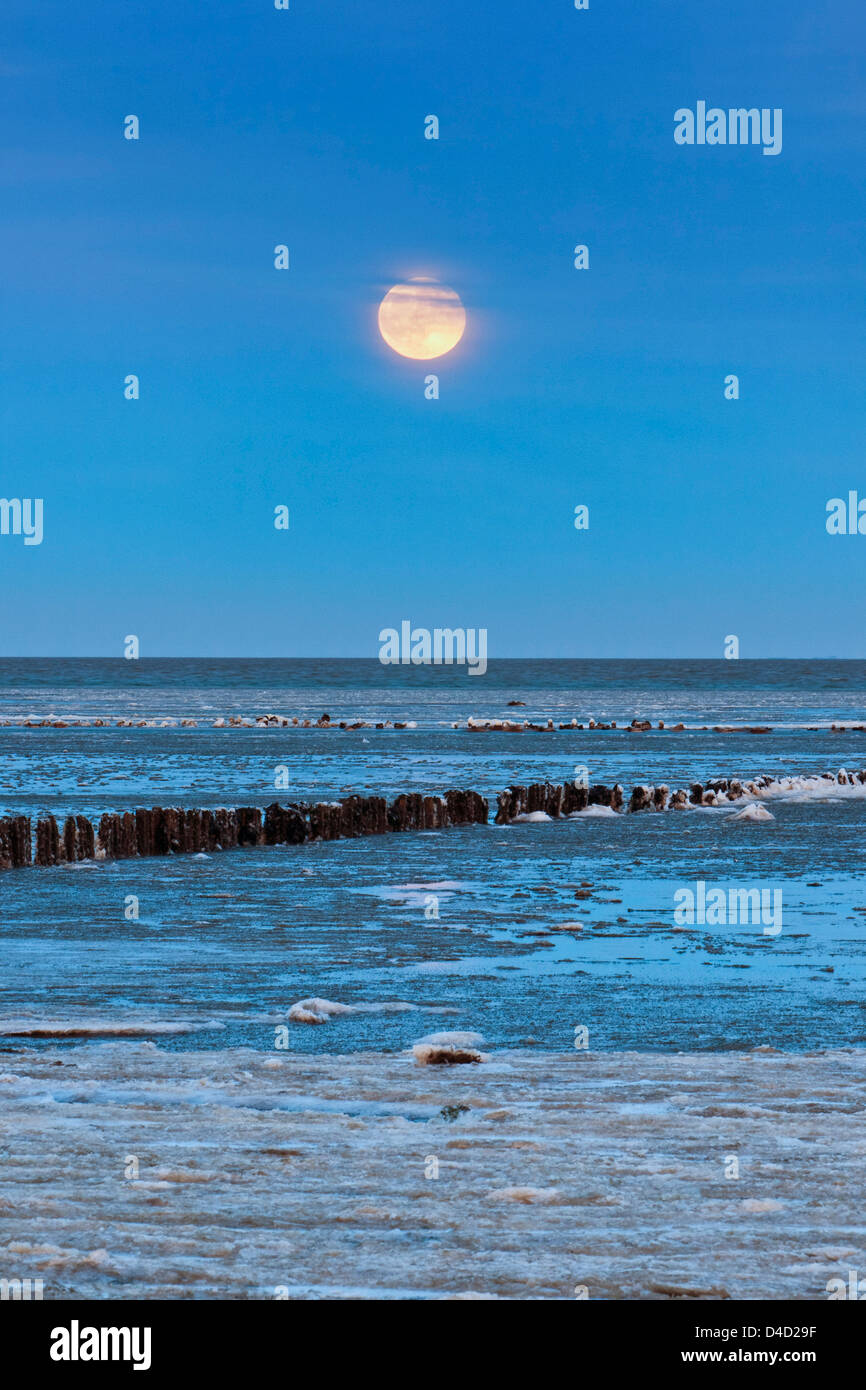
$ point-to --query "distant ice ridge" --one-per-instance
(560, 720)
(232, 721)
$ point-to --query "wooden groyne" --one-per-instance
(15, 842)
(162, 830)
(172, 830)
(556, 801)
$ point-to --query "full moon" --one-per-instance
(421, 319)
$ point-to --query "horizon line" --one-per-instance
(388, 665)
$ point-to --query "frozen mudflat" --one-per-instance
(130, 1171)
(155, 1143)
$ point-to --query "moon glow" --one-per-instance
(421, 319)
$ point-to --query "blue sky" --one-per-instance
(260, 387)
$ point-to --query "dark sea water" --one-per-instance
(224, 945)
